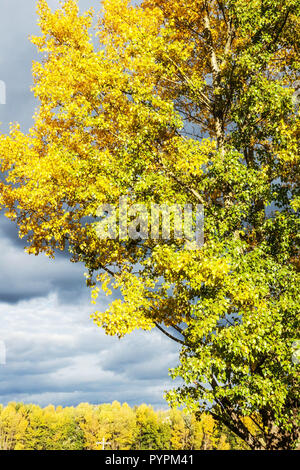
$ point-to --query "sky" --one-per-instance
(50, 350)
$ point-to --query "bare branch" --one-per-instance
(168, 334)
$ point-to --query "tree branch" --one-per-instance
(168, 334)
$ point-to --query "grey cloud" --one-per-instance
(146, 368)
(23, 276)
(55, 350)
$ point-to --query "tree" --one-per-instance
(43, 431)
(148, 436)
(29, 427)
(68, 435)
(204, 433)
(180, 102)
(180, 435)
(118, 425)
(90, 425)
(12, 428)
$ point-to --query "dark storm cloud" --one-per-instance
(24, 276)
(9, 230)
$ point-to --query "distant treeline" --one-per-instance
(86, 427)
